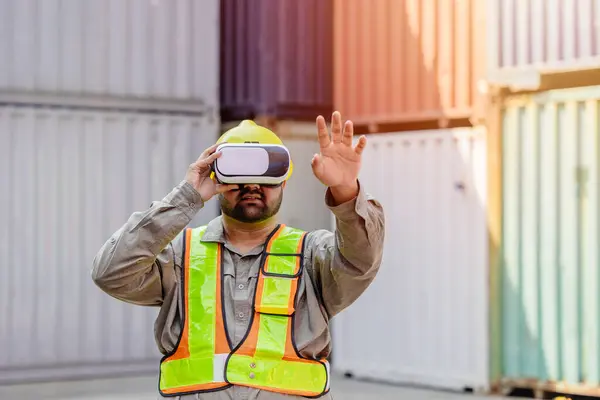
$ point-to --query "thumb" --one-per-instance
(314, 161)
(316, 164)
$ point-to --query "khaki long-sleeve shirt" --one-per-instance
(142, 264)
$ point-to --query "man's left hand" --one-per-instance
(338, 164)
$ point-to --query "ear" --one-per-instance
(284, 183)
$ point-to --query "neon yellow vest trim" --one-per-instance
(196, 364)
(267, 358)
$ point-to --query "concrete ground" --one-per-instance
(143, 388)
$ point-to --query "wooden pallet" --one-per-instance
(546, 390)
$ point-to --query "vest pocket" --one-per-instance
(276, 295)
(282, 265)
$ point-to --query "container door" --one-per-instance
(424, 319)
(549, 277)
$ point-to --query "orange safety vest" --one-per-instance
(267, 358)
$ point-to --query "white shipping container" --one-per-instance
(529, 37)
(146, 49)
(424, 320)
(69, 180)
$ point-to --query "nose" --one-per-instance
(251, 186)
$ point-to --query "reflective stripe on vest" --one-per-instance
(267, 358)
(198, 362)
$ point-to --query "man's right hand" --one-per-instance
(198, 175)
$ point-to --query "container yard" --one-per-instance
(482, 127)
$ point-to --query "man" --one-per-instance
(245, 302)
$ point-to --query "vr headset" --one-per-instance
(241, 163)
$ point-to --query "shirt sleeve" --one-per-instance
(343, 263)
(136, 264)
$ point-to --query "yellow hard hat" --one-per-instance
(249, 131)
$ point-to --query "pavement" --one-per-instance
(144, 388)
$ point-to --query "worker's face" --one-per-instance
(251, 202)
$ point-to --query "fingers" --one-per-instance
(348, 133)
(315, 163)
(336, 127)
(360, 146)
(207, 157)
(337, 136)
(315, 160)
(222, 188)
(208, 152)
(322, 132)
(212, 157)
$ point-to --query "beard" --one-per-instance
(255, 211)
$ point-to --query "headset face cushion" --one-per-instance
(252, 163)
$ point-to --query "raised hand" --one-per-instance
(338, 164)
(198, 175)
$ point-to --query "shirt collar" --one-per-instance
(214, 231)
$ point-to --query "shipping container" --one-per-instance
(403, 61)
(276, 58)
(154, 50)
(529, 38)
(69, 180)
(424, 320)
(548, 287)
